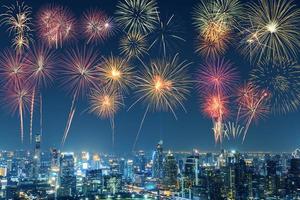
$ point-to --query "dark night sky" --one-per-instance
(191, 130)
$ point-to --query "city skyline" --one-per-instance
(191, 129)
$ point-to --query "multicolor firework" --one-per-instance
(79, 77)
(18, 21)
(166, 34)
(105, 104)
(215, 21)
(163, 86)
(133, 45)
(115, 73)
(18, 100)
(97, 25)
(39, 62)
(253, 105)
(282, 79)
(272, 30)
(137, 15)
(56, 24)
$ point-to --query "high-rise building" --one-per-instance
(170, 171)
(158, 158)
(293, 186)
(37, 157)
(128, 171)
(93, 183)
(140, 161)
(191, 169)
(67, 178)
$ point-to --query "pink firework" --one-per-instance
(97, 26)
(13, 70)
(18, 100)
(79, 77)
(218, 76)
(56, 24)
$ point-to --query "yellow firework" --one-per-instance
(133, 45)
(273, 30)
(116, 73)
(18, 21)
(137, 15)
(164, 85)
(214, 21)
(105, 103)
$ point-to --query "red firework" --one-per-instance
(56, 24)
(218, 76)
(13, 69)
(215, 106)
(97, 25)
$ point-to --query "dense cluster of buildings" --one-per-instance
(157, 175)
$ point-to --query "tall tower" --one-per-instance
(37, 156)
(158, 158)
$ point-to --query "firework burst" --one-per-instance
(115, 73)
(215, 21)
(253, 105)
(137, 15)
(56, 24)
(105, 104)
(133, 45)
(272, 30)
(163, 86)
(282, 79)
(40, 66)
(219, 76)
(79, 77)
(17, 19)
(97, 25)
(18, 100)
(13, 70)
(166, 34)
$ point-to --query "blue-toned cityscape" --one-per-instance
(148, 175)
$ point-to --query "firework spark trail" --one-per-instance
(41, 114)
(21, 120)
(253, 112)
(70, 118)
(31, 113)
(140, 129)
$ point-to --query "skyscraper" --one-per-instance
(37, 156)
(67, 178)
(170, 171)
(158, 157)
